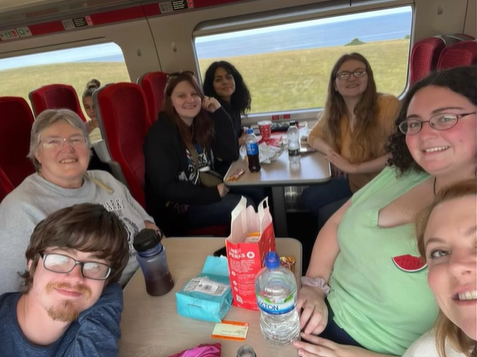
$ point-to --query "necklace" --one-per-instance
(434, 188)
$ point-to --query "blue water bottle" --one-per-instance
(151, 256)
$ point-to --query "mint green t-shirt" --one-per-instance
(383, 308)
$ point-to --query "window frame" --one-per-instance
(320, 10)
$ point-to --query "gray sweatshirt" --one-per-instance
(35, 198)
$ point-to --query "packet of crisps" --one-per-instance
(288, 262)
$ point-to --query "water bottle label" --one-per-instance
(206, 286)
(295, 152)
(276, 306)
(252, 149)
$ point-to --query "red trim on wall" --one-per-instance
(130, 13)
(121, 15)
(47, 27)
(151, 9)
(205, 3)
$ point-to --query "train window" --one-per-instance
(74, 66)
(287, 66)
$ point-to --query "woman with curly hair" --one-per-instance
(224, 82)
(365, 290)
(352, 132)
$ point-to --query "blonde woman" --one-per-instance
(446, 236)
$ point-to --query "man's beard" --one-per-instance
(67, 310)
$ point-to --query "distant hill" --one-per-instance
(355, 42)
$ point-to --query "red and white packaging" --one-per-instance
(245, 259)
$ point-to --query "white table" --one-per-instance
(314, 168)
(151, 327)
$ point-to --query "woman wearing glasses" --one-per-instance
(180, 150)
(60, 152)
(352, 132)
(366, 253)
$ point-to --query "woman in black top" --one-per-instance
(188, 121)
(224, 82)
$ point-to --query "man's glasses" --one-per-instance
(179, 74)
(60, 263)
(346, 74)
(55, 142)
(438, 122)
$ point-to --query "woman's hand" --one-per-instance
(151, 225)
(314, 316)
(315, 346)
(341, 163)
(223, 190)
(210, 104)
(241, 140)
(91, 125)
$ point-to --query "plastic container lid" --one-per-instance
(146, 239)
(249, 131)
(272, 260)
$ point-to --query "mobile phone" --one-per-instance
(221, 251)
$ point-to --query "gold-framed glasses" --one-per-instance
(346, 74)
(63, 264)
(439, 122)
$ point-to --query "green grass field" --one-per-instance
(278, 81)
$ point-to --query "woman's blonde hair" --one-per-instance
(446, 330)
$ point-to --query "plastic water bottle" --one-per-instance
(251, 143)
(151, 256)
(293, 135)
(276, 291)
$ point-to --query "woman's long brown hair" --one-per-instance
(202, 130)
(367, 127)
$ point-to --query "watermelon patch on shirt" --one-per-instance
(409, 263)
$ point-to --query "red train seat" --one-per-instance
(123, 118)
(458, 54)
(16, 120)
(153, 84)
(55, 96)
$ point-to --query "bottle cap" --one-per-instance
(292, 122)
(146, 239)
(272, 260)
(249, 131)
(246, 351)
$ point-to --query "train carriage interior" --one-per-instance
(283, 48)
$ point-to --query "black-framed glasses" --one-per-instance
(60, 263)
(56, 142)
(438, 122)
(180, 73)
(346, 74)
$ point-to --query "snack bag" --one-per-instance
(251, 238)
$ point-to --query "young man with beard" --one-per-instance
(71, 302)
